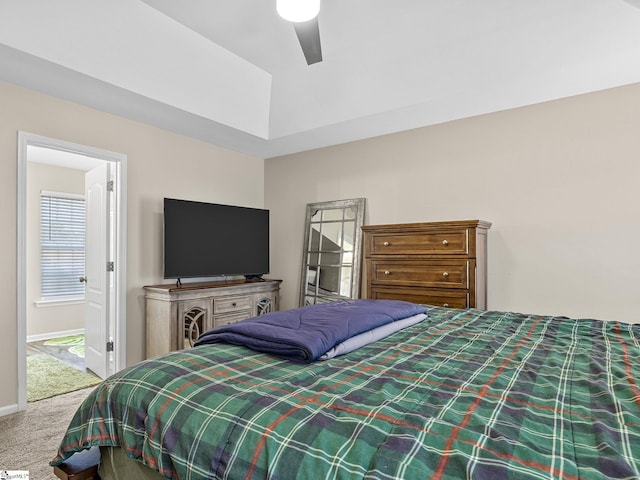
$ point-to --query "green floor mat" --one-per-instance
(68, 340)
(48, 377)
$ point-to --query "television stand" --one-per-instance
(177, 315)
(254, 278)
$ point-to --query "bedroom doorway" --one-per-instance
(103, 307)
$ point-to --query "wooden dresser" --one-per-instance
(176, 316)
(435, 263)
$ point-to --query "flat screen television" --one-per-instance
(209, 239)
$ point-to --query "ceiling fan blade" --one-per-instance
(309, 37)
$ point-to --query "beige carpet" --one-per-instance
(30, 439)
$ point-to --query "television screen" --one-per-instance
(208, 239)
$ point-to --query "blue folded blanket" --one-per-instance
(304, 334)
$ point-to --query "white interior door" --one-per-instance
(97, 275)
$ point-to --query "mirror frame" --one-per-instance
(356, 264)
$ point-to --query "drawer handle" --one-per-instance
(386, 244)
(446, 305)
(233, 304)
(445, 242)
(445, 274)
(387, 272)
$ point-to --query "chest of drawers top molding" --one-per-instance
(438, 263)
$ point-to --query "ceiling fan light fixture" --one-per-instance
(298, 10)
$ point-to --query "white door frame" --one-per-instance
(118, 326)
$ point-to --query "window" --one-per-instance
(62, 245)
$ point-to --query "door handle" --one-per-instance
(83, 279)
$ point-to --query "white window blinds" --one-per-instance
(62, 220)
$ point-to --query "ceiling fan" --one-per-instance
(303, 14)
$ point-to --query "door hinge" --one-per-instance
(110, 267)
(110, 346)
(110, 186)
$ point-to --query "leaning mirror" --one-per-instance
(331, 251)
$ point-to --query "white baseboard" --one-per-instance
(8, 410)
(48, 336)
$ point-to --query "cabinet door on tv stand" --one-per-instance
(194, 318)
(265, 302)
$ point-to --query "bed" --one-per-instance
(461, 394)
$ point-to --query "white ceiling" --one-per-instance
(60, 158)
(231, 72)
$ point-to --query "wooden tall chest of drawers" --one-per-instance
(435, 263)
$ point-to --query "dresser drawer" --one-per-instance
(441, 242)
(440, 298)
(422, 273)
(229, 318)
(232, 304)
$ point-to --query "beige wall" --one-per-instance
(159, 164)
(560, 181)
(48, 319)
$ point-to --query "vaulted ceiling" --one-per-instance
(231, 72)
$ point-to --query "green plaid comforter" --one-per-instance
(465, 394)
